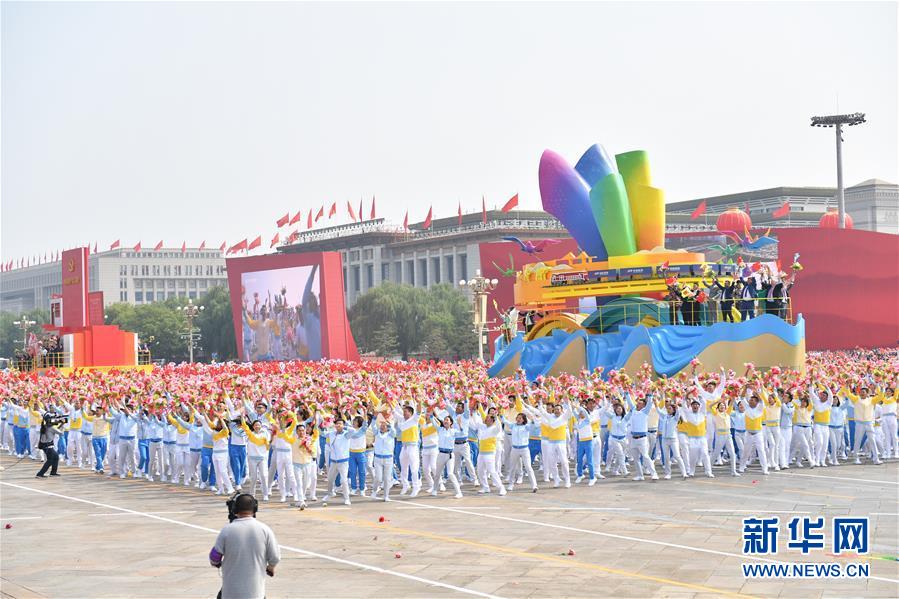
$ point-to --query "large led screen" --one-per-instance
(281, 314)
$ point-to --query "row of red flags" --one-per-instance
(781, 212)
(355, 216)
(246, 245)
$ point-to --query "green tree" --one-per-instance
(436, 321)
(217, 325)
(384, 341)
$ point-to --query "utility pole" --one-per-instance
(837, 121)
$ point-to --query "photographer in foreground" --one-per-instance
(246, 550)
(47, 442)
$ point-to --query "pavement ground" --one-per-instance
(84, 535)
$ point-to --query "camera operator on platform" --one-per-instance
(246, 550)
(47, 442)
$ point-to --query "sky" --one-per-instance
(208, 121)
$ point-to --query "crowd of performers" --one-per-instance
(311, 430)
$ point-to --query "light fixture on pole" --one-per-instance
(837, 121)
(480, 288)
(191, 312)
(24, 324)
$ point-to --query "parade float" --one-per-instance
(604, 306)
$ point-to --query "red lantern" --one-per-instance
(733, 220)
(831, 220)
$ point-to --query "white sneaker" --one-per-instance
(638, 477)
(415, 491)
(592, 482)
(668, 477)
(458, 495)
(346, 502)
(654, 476)
(502, 492)
(578, 479)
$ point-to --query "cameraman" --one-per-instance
(47, 442)
(245, 550)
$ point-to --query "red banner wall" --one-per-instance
(74, 288)
(848, 290)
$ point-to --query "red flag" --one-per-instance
(222, 247)
(242, 245)
(137, 247)
(483, 211)
(309, 221)
(158, 246)
(283, 220)
(756, 266)
(333, 210)
(427, 224)
(700, 210)
(115, 244)
(372, 208)
(296, 218)
(255, 243)
(274, 240)
(782, 211)
(203, 245)
(321, 213)
(460, 213)
(349, 208)
(406, 221)
(512, 203)
(183, 246)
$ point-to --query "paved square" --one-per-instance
(82, 535)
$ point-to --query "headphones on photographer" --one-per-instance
(232, 504)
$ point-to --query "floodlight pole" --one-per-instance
(841, 193)
(837, 121)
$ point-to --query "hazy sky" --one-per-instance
(210, 120)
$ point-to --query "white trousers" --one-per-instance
(699, 453)
(156, 460)
(487, 471)
(890, 442)
(430, 474)
(445, 460)
(283, 463)
(802, 446)
(258, 471)
(462, 457)
(786, 440)
(723, 441)
(409, 463)
(558, 457)
(193, 461)
(126, 462)
(520, 462)
(220, 464)
(299, 475)
(639, 448)
(383, 475)
(335, 469)
(772, 445)
(822, 436)
(671, 453)
(683, 442)
(754, 442)
(615, 458)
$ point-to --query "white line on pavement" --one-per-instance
(849, 478)
(621, 537)
(138, 514)
(4, 518)
(582, 509)
(284, 547)
(883, 514)
(752, 511)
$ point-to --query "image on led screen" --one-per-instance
(281, 314)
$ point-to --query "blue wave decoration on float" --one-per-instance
(671, 347)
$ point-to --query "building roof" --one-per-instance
(872, 183)
(737, 199)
